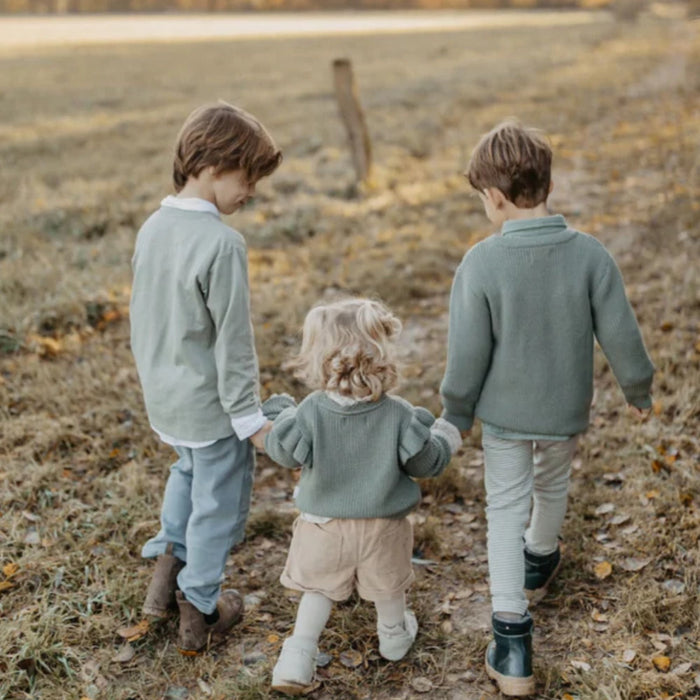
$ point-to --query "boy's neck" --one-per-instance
(199, 188)
(512, 212)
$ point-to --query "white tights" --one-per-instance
(315, 608)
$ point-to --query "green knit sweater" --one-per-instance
(191, 332)
(357, 461)
(525, 309)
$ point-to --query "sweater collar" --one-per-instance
(190, 204)
(542, 225)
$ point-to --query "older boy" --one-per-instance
(525, 308)
(192, 340)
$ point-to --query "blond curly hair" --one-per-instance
(348, 347)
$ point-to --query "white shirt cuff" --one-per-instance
(245, 426)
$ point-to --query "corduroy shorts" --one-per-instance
(371, 555)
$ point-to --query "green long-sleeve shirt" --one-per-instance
(525, 308)
(357, 461)
(191, 333)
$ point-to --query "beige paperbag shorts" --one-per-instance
(372, 555)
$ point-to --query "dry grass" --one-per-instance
(84, 142)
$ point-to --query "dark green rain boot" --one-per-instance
(509, 656)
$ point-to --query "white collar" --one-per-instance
(190, 204)
(346, 400)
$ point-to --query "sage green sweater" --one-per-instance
(525, 308)
(357, 461)
(191, 333)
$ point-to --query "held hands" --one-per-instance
(258, 439)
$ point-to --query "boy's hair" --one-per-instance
(516, 160)
(226, 138)
(347, 347)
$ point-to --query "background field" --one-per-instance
(85, 141)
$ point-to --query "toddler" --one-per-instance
(525, 308)
(359, 450)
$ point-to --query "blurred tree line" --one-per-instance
(78, 6)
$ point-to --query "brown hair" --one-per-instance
(516, 160)
(226, 138)
(348, 347)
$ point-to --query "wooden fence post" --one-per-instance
(353, 118)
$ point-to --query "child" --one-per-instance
(358, 449)
(525, 308)
(192, 340)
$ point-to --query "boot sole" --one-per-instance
(511, 685)
(155, 612)
(289, 688)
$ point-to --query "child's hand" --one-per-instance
(258, 439)
(640, 414)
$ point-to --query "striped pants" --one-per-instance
(519, 474)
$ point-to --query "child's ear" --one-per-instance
(551, 187)
(495, 197)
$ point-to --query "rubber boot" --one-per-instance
(540, 569)
(509, 656)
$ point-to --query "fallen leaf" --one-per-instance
(619, 519)
(351, 659)
(599, 617)
(602, 570)
(673, 585)
(634, 564)
(630, 529)
(605, 508)
(581, 665)
(567, 696)
(125, 654)
(421, 684)
(204, 687)
(629, 655)
(682, 669)
(661, 663)
(6, 585)
(273, 638)
(10, 569)
(323, 659)
(652, 494)
(131, 634)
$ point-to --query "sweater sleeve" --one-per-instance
(423, 452)
(228, 302)
(469, 346)
(286, 443)
(617, 331)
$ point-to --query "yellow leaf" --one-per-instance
(10, 569)
(603, 570)
(273, 638)
(567, 696)
(131, 634)
(662, 663)
(6, 585)
(652, 494)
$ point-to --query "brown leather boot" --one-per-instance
(161, 592)
(196, 634)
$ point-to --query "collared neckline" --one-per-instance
(190, 204)
(541, 225)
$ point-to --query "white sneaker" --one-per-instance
(395, 641)
(294, 670)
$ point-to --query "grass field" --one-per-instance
(85, 141)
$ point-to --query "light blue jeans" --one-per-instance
(518, 475)
(205, 508)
